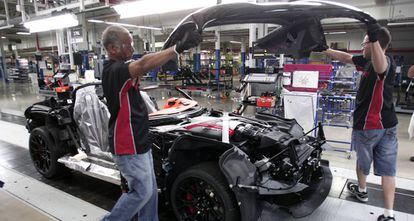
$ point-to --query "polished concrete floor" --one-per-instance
(88, 199)
(9, 203)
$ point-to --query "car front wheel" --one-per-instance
(202, 193)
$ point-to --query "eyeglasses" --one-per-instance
(364, 43)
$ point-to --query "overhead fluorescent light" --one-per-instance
(3, 37)
(23, 33)
(124, 24)
(335, 33)
(151, 7)
(133, 26)
(235, 42)
(400, 23)
(96, 21)
(52, 23)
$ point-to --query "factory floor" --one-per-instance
(26, 195)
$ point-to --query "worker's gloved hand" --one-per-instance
(191, 39)
(372, 30)
(321, 48)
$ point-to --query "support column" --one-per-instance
(6, 8)
(85, 44)
(281, 60)
(260, 31)
(22, 11)
(81, 5)
(35, 7)
(93, 38)
(16, 54)
(3, 66)
(146, 40)
(152, 40)
(252, 38)
(260, 34)
(140, 42)
(60, 41)
(70, 50)
(218, 56)
(197, 60)
(243, 57)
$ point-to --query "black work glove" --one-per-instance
(191, 39)
(372, 30)
(321, 48)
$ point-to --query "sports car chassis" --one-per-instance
(210, 165)
(262, 165)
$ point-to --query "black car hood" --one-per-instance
(299, 29)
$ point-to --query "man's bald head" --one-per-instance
(113, 35)
(118, 43)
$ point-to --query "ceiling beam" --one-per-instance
(6, 9)
(68, 6)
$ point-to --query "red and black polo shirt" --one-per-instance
(128, 124)
(374, 101)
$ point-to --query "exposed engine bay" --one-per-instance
(269, 158)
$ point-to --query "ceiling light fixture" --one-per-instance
(123, 24)
(152, 7)
(52, 23)
(3, 37)
(95, 21)
(23, 33)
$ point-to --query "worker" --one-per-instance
(128, 124)
(410, 74)
(374, 122)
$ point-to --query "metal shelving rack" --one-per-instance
(335, 108)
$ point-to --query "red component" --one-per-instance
(62, 89)
(189, 197)
(265, 101)
(191, 210)
(209, 126)
(172, 102)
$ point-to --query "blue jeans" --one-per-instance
(378, 146)
(142, 197)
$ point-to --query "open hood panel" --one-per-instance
(299, 29)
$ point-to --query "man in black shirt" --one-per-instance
(128, 124)
(374, 124)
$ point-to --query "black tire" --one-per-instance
(44, 153)
(202, 193)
